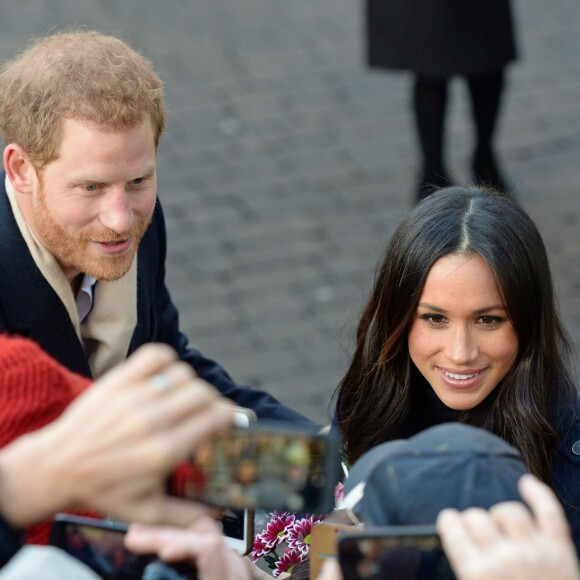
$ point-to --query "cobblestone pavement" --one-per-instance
(287, 164)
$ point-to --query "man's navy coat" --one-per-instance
(30, 307)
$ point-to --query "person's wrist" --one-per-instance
(32, 485)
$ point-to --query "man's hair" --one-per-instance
(81, 75)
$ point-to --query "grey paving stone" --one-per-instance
(287, 164)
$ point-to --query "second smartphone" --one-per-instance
(401, 552)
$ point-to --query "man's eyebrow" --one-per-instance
(82, 179)
(483, 310)
(87, 179)
(148, 172)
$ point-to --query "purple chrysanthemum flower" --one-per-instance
(277, 530)
(299, 535)
(287, 562)
(259, 548)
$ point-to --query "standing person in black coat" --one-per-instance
(437, 40)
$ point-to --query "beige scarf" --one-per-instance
(108, 329)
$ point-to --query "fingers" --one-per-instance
(487, 530)
(186, 397)
(450, 527)
(330, 571)
(481, 528)
(547, 510)
(192, 424)
(175, 401)
(170, 397)
(204, 545)
(175, 375)
(509, 541)
(143, 539)
(455, 537)
(148, 439)
(173, 511)
(177, 544)
(174, 407)
(513, 520)
(548, 516)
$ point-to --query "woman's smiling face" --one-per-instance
(461, 338)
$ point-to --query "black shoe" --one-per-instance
(429, 182)
(486, 174)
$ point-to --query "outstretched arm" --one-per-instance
(113, 447)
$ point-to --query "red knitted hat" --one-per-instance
(34, 390)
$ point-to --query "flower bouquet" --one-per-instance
(285, 541)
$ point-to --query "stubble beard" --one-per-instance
(73, 250)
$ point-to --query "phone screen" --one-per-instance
(404, 557)
(99, 545)
(263, 467)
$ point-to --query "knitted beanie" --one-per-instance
(34, 388)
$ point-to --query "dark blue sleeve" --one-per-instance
(163, 324)
(566, 479)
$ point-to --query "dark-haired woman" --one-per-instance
(462, 325)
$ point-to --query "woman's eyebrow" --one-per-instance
(491, 308)
(428, 306)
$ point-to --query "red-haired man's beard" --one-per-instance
(79, 250)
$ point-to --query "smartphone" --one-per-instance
(401, 552)
(99, 545)
(237, 524)
(272, 466)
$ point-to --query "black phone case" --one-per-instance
(402, 552)
(117, 564)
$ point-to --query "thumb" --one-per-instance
(330, 571)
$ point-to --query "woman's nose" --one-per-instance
(462, 346)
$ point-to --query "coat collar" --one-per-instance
(24, 292)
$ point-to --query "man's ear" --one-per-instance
(19, 168)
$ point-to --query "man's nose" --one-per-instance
(116, 211)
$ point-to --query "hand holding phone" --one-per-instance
(99, 545)
(201, 542)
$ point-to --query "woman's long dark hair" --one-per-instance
(374, 398)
